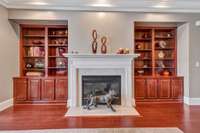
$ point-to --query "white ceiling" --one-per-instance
(107, 5)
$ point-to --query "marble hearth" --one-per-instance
(100, 65)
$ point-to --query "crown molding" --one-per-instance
(8, 5)
(4, 3)
(106, 9)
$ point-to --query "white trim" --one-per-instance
(191, 101)
(106, 9)
(186, 100)
(123, 7)
(6, 104)
(84, 55)
(4, 3)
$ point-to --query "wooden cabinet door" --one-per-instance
(47, 90)
(164, 87)
(20, 89)
(140, 88)
(151, 88)
(177, 88)
(33, 89)
(61, 89)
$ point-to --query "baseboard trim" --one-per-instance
(187, 100)
(6, 104)
(191, 101)
(69, 104)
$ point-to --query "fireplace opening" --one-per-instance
(100, 85)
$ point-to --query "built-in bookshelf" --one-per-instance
(155, 78)
(42, 49)
(157, 49)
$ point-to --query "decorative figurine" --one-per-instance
(103, 46)
(94, 43)
(123, 51)
(161, 55)
(162, 44)
(107, 99)
(126, 51)
(120, 51)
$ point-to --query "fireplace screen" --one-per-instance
(100, 85)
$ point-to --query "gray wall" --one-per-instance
(119, 29)
(8, 55)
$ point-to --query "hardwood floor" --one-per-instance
(152, 115)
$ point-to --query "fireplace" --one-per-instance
(104, 66)
(100, 85)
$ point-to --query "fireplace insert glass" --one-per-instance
(100, 85)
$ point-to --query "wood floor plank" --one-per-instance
(22, 117)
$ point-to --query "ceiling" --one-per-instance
(107, 5)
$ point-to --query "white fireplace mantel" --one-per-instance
(101, 64)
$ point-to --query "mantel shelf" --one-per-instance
(84, 55)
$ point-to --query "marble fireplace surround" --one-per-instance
(100, 65)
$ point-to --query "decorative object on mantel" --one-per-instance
(120, 51)
(94, 100)
(123, 51)
(103, 46)
(94, 43)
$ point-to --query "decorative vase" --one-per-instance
(166, 73)
(94, 43)
(103, 46)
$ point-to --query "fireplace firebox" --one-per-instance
(100, 85)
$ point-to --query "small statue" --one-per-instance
(107, 99)
(103, 46)
(94, 43)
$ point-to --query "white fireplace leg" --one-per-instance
(72, 85)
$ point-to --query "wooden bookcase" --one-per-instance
(155, 70)
(157, 49)
(43, 68)
(41, 50)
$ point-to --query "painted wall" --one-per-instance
(119, 29)
(8, 55)
(183, 37)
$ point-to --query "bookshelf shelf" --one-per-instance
(56, 67)
(37, 36)
(33, 45)
(58, 36)
(58, 45)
